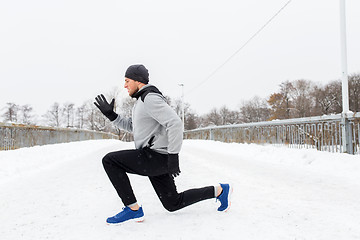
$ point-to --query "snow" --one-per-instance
(61, 191)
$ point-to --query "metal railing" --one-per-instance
(325, 133)
(13, 136)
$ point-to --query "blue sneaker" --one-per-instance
(224, 197)
(125, 215)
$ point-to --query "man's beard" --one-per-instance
(133, 95)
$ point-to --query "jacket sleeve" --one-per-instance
(159, 110)
(123, 123)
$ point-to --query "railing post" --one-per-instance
(346, 134)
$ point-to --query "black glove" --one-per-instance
(173, 165)
(106, 108)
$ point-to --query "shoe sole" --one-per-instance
(230, 194)
(137, 220)
(231, 189)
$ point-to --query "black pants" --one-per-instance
(146, 162)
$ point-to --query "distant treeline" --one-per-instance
(294, 99)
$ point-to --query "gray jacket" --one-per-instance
(153, 118)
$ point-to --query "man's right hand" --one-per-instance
(106, 108)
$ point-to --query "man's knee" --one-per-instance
(107, 160)
(170, 208)
(171, 203)
(118, 159)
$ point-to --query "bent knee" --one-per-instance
(172, 205)
(170, 208)
(106, 160)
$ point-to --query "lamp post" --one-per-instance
(344, 73)
(346, 127)
(182, 104)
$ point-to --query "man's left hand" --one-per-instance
(173, 165)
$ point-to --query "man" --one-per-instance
(158, 135)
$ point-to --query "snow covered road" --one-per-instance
(62, 192)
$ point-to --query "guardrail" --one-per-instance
(13, 136)
(325, 133)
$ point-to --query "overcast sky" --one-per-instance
(72, 50)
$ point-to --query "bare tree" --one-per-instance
(323, 101)
(168, 100)
(295, 99)
(255, 110)
(114, 93)
(191, 120)
(302, 100)
(11, 112)
(26, 114)
(213, 118)
(177, 106)
(228, 116)
(53, 116)
(127, 106)
(285, 90)
(95, 119)
(326, 98)
(92, 111)
(334, 91)
(81, 115)
(225, 115)
(68, 111)
(354, 92)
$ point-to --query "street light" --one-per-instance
(346, 127)
(344, 73)
(182, 104)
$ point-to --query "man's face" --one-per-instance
(131, 86)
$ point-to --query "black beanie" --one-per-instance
(138, 73)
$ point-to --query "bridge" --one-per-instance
(60, 191)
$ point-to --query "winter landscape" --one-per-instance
(217, 64)
(62, 192)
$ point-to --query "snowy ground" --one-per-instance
(62, 192)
